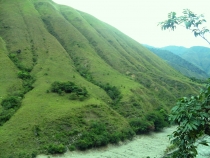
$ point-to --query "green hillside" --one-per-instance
(197, 55)
(180, 64)
(70, 80)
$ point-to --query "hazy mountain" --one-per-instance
(178, 50)
(70, 80)
(197, 55)
(180, 64)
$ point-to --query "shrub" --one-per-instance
(76, 92)
(115, 138)
(101, 139)
(141, 126)
(83, 144)
(56, 149)
(24, 75)
(27, 84)
(127, 133)
(28, 80)
(158, 119)
(72, 148)
(5, 115)
(96, 136)
(11, 102)
(34, 154)
(112, 91)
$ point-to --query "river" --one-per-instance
(152, 145)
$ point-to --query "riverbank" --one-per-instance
(152, 145)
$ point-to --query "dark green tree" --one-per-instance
(191, 114)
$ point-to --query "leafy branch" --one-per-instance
(192, 116)
(189, 20)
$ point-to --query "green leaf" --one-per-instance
(204, 142)
(188, 24)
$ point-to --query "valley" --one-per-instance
(71, 81)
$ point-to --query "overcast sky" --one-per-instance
(139, 18)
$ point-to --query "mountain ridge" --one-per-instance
(178, 63)
(197, 55)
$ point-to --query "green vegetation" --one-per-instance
(141, 126)
(56, 149)
(69, 87)
(190, 113)
(112, 92)
(153, 121)
(97, 135)
(45, 46)
(197, 55)
(190, 20)
(13, 101)
(181, 64)
(192, 116)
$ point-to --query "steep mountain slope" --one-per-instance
(108, 85)
(180, 64)
(197, 55)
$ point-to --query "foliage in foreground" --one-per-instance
(189, 20)
(192, 116)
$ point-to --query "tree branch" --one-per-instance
(202, 36)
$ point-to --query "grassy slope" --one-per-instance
(8, 72)
(38, 107)
(145, 67)
(57, 43)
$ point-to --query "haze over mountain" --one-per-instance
(69, 80)
(197, 55)
(178, 63)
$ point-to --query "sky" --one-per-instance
(139, 18)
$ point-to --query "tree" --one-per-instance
(191, 114)
(189, 20)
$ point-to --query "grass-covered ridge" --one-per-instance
(127, 88)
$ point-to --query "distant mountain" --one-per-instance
(197, 55)
(178, 63)
(178, 50)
